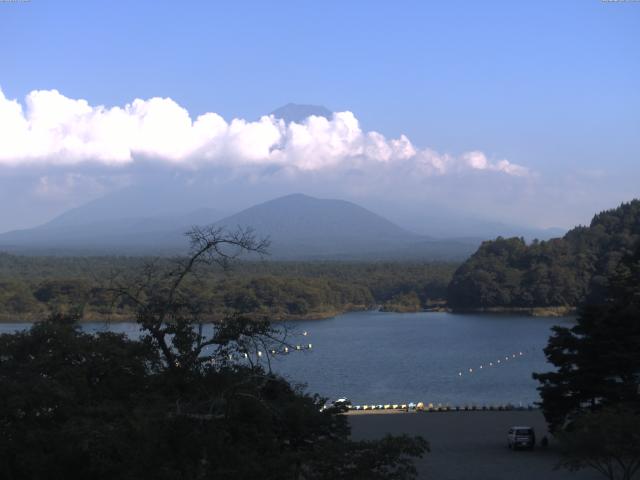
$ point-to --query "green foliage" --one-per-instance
(173, 405)
(558, 272)
(33, 287)
(598, 359)
(607, 441)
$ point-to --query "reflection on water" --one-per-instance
(376, 357)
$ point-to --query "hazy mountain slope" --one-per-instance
(441, 223)
(132, 235)
(299, 225)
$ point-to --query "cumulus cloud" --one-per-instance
(51, 129)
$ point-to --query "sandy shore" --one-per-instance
(471, 445)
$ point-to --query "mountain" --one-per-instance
(299, 227)
(560, 272)
(439, 222)
(304, 227)
(292, 112)
(75, 232)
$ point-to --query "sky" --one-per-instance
(521, 112)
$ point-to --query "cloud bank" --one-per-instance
(53, 130)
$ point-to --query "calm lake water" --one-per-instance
(376, 357)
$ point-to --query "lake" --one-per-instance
(379, 357)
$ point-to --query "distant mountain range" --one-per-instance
(127, 235)
(299, 227)
(151, 218)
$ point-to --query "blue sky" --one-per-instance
(551, 86)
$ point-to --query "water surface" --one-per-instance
(378, 357)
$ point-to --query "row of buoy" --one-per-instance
(273, 351)
(260, 353)
(497, 362)
(421, 407)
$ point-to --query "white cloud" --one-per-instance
(52, 129)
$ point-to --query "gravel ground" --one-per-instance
(472, 445)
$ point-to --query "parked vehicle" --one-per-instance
(521, 437)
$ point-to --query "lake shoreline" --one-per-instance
(557, 311)
(92, 317)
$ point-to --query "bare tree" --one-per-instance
(173, 319)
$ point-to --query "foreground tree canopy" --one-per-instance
(558, 272)
(607, 441)
(598, 359)
(176, 404)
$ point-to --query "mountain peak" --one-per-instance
(298, 113)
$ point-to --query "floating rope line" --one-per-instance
(494, 363)
(272, 352)
(285, 350)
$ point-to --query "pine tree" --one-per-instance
(598, 359)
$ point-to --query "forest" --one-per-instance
(175, 404)
(32, 287)
(559, 272)
(503, 273)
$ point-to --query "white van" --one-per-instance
(521, 437)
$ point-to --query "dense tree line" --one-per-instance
(32, 288)
(558, 272)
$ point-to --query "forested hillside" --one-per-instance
(558, 272)
(32, 288)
